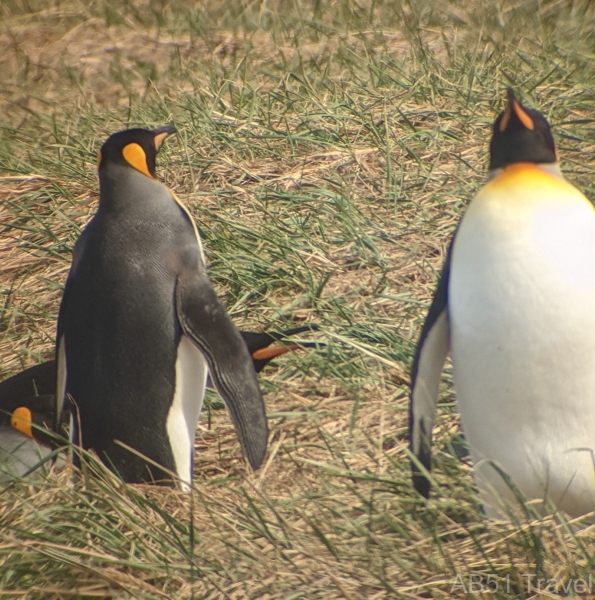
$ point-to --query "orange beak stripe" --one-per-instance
(159, 139)
(505, 119)
(272, 352)
(524, 118)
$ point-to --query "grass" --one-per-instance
(326, 151)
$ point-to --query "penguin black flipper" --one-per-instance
(430, 356)
(205, 321)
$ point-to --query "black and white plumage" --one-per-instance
(514, 307)
(140, 327)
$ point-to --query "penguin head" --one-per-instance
(521, 135)
(35, 417)
(135, 148)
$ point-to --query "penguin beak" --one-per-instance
(514, 106)
(510, 96)
(161, 133)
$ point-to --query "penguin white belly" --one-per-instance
(522, 315)
(191, 378)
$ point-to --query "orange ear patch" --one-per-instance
(272, 352)
(21, 421)
(135, 156)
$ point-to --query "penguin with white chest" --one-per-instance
(515, 306)
(140, 327)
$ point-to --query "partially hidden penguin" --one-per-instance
(140, 327)
(28, 403)
(515, 307)
(26, 441)
(24, 389)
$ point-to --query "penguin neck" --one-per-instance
(122, 188)
(552, 168)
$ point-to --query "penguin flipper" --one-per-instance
(430, 356)
(206, 322)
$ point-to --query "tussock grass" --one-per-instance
(326, 151)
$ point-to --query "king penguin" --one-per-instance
(34, 388)
(514, 305)
(28, 402)
(140, 327)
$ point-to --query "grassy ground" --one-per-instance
(326, 150)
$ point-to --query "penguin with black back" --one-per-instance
(26, 387)
(514, 306)
(28, 402)
(140, 327)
